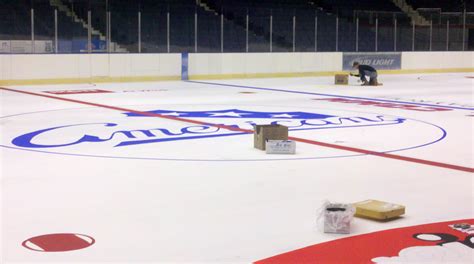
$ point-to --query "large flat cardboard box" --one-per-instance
(378, 210)
(262, 133)
(341, 79)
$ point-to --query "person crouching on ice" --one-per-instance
(365, 70)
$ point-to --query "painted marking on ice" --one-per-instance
(333, 95)
(58, 242)
(426, 243)
(385, 105)
(32, 246)
(83, 91)
(232, 128)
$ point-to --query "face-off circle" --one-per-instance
(58, 242)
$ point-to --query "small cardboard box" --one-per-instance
(378, 210)
(262, 133)
(280, 147)
(341, 79)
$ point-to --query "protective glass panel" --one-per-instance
(153, 29)
(72, 26)
(367, 31)
(181, 28)
(470, 32)
(15, 25)
(98, 25)
(386, 32)
(455, 31)
(282, 36)
(305, 22)
(439, 32)
(347, 34)
(209, 31)
(124, 25)
(422, 37)
(326, 31)
(259, 30)
(234, 29)
(44, 26)
(404, 33)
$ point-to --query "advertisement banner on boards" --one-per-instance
(380, 61)
(25, 46)
(5, 46)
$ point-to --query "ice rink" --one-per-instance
(166, 171)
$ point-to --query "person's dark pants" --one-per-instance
(373, 78)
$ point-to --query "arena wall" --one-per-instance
(77, 68)
(242, 65)
(432, 61)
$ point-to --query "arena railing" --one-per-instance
(80, 26)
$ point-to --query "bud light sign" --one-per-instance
(380, 61)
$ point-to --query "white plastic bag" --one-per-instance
(336, 217)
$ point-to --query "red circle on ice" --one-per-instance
(58, 242)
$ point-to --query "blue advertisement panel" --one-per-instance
(80, 46)
(380, 61)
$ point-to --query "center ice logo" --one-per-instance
(119, 136)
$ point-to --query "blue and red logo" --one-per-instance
(114, 135)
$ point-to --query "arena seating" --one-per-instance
(124, 24)
(15, 23)
(444, 5)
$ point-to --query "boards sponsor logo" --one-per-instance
(380, 61)
(134, 135)
(82, 91)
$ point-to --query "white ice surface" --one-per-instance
(222, 207)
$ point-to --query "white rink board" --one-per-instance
(83, 67)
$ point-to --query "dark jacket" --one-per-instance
(364, 70)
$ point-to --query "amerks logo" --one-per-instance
(120, 134)
(294, 120)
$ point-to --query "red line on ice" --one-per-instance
(231, 128)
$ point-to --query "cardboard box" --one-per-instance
(262, 133)
(341, 79)
(280, 147)
(378, 210)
